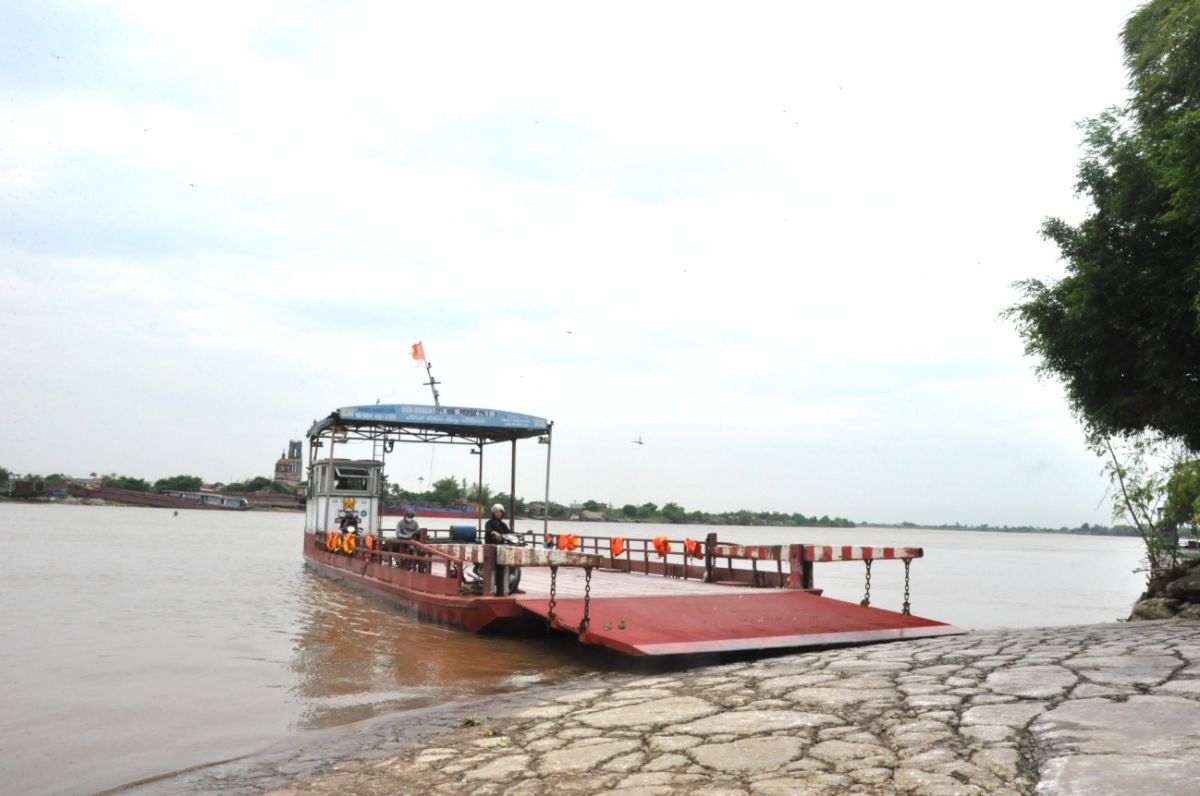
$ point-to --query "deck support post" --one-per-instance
(489, 570)
(710, 542)
(801, 575)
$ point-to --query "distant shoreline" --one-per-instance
(1092, 530)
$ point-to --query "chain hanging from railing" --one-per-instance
(905, 610)
(587, 600)
(553, 597)
(866, 600)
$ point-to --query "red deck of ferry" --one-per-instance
(667, 598)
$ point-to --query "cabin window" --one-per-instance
(352, 479)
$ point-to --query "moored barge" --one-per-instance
(659, 596)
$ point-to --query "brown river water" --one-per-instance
(138, 641)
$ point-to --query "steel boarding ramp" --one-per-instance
(696, 623)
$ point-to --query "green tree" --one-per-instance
(483, 495)
(630, 511)
(125, 482)
(647, 511)
(1182, 504)
(673, 512)
(1121, 329)
(5, 475)
(259, 483)
(447, 491)
(182, 483)
(1142, 487)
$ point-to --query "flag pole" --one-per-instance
(432, 383)
(418, 353)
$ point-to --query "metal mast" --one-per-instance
(432, 383)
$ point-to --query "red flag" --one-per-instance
(418, 351)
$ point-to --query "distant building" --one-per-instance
(289, 466)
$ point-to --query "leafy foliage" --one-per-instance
(182, 483)
(1121, 329)
(125, 482)
(259, 483)
(448, 491)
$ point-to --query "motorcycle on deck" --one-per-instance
(475, 574)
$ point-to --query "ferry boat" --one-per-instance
(639, 596)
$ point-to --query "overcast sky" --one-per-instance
(770, 239)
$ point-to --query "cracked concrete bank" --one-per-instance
(1097, 709)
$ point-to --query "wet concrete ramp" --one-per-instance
(686, 624)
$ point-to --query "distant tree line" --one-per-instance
(676, 514)
(1086, 528)
(450, 492)
(180, 483)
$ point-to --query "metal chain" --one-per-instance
(866, 600)
(553, 597)
(587, 600)
(905, 610)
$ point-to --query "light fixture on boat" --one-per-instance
(543, 440)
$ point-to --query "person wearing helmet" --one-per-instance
(507, 578)
(496, 528)
(408, 527)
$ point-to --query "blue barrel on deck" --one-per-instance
(462, 533)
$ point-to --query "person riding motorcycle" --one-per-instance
(496, 531)
(408, 527)
(496, 528)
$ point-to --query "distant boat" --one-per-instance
(638, 441)
(170, 499)
(392, 509)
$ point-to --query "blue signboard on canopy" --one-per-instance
(416, 414)
(461, 421)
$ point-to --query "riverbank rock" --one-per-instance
(1186, 588)
(1155, 608)
(1172, 593)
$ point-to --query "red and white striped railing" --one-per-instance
(818, 552)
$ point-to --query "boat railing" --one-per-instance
(712, 561)
(762, 566)
(410, 563)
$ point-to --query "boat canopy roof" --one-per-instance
(416, 422)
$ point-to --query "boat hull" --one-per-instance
(430, 596)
